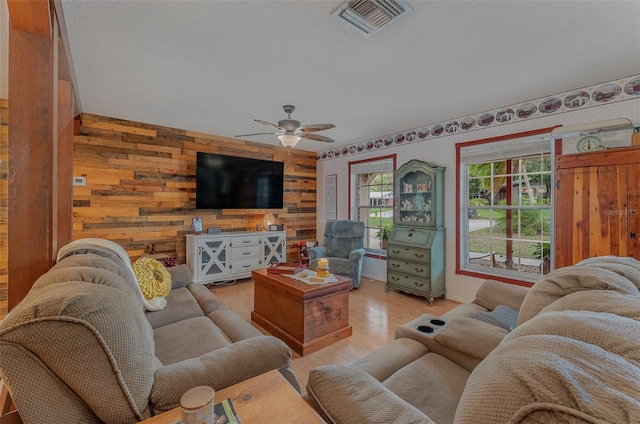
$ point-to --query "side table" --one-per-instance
(266, 398)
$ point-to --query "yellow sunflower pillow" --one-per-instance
(153, 278)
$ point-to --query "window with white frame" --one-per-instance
(505, 196)
(371, 199)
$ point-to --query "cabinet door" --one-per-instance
(591, 213)
(214, 258)
(414, 203)
(274, 248)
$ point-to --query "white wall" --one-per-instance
(441, 151)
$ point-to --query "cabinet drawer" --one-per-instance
(419, 269)
(420, 237)
(245, 241)
(409, 281)
(244, 252)
(409, 253)
(244, 266)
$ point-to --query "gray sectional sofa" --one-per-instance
(574, 357)
(80, 347)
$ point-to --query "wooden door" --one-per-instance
(597, 205)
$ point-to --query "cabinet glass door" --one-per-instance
(274, 250)
(414, 205)
(213, 258)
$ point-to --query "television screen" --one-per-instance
(229, 182)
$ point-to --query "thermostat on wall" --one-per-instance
(79, 181)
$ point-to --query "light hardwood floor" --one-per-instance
(373, 315)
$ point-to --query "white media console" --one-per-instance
(231, 256)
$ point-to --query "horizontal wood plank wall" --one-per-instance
(141, 186)
(4, 190)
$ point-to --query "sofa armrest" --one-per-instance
(470, 336)
(356, 255)
(220, 369)
(493, 293)
(316, 252)
(463, 340)
(345, 395)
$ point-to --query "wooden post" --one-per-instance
(41, 128)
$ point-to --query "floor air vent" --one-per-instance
(367, 17)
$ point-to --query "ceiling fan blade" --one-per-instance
(316, 137)
(247, 135)
(316, 127)
(260, 121)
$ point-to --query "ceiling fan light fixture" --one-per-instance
(288, 140)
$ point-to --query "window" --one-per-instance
(371, 199)
(505, 211)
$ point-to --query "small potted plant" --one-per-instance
(543, 252)
(383, 235)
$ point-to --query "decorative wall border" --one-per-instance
(582, 98)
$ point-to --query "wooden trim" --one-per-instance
(599, 158)
(31, 16)
(8, 413)
(63, 210)
(5, 399)
(506, 137)
(66, 61)
(495, 277)
(376, 159)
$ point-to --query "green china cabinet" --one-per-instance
(415, 251)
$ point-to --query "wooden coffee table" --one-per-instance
(306, 317)
(267, 398)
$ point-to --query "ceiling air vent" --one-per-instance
(367, 17)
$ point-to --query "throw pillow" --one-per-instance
(502, 316)
(180, 276)
(153, 278)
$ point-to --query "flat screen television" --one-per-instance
(229, 182)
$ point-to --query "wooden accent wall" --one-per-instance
(141, 186)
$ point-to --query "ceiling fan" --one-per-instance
(289, 131)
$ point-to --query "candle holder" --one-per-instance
(323, 268)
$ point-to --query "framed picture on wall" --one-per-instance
(330, 197)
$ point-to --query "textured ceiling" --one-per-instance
(214, 66)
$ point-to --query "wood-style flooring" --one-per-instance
(373, 315)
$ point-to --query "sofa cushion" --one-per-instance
(186, 339)
(180, 276)
(431, 383)
(95, 340)
(334, 391)
(502, 316)
(566, 364)
(104, 268)
(570, 279)
(492, 293)
(180, 305)
(383, 362)
(470, 336)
